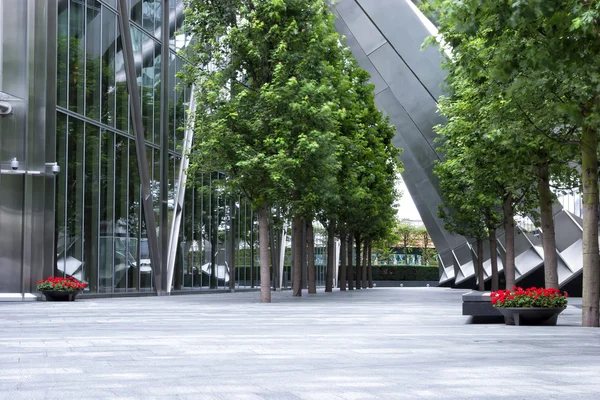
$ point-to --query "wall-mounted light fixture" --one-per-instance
(5, 108)
(50, 168)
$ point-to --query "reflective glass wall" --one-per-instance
(101, 235)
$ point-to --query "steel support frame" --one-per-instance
(140, 144)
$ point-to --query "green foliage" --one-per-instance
(506, 112)
(267, 111)
(286, 113)
(405, 273)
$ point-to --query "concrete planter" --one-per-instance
(60, 295)
(531, 316)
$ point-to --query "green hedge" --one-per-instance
(405, 273)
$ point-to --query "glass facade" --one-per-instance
(101, 231)
(71, 105)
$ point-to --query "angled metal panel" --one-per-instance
(180, 196)
(140, 144)
(386, 40)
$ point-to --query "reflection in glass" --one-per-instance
(93, 62)
(135, 221)
(76, 56)
(90, 186)
(121, 94)
(123, 258)
(109, 47)
(109, 268)
(70, 256)
(62, 53)
(61, 187)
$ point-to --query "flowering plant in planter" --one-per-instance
(61, 284)
(530, 298)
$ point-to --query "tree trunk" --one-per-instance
(343, 264)
(494, 260)
(358, 265)
(310, 255)
(364, 264)
(370, 265)
(591, 266)
(509, 229)
(297, 278)
(330, 256)
(350, 269)
(480, 278)
(548, 233)
(263, 240)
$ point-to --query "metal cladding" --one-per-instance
(386, 37)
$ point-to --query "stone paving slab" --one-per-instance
(383, 343)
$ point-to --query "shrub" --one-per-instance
(405, 273)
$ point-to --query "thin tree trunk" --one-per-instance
(310, 255)
(297, 279)
(358, 265)
(370, 265)
(509, 229)
(591, 265)
(263, 240)
(480, 279)
(330, 256)
(365, 283)
(494, 260)
(350, 268)
(548, 233)
(343, 264)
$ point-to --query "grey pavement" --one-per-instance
(383, 343)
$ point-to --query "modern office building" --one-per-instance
(65, 70)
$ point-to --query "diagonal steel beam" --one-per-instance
(164, 143)
(180, 195)
(140, 145)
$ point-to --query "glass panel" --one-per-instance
(61, 188)
(107, 231)
(91, 211)
(123, 257)
(109, 47)
(150, 8)
(76, 56)
(172, 99)
(149, 81)
(93, 63)
(136, 11)
(180, 108)
(73, 247)
(62, 54)
(122, 96)
(134, 221)
(156, 183)
(188, 246)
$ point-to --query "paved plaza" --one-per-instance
(384, 343)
